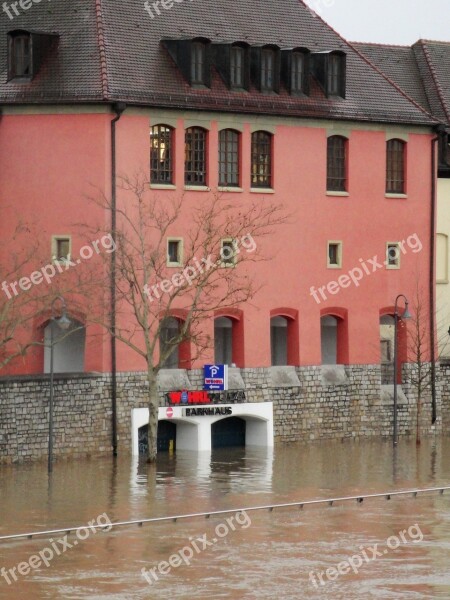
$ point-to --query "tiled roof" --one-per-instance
(110, 50)
(422, 71)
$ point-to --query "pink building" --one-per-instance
(205, 99)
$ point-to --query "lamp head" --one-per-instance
(64, 322)
(406, 314)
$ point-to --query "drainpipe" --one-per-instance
(118, 109)
(439, 130)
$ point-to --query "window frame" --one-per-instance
(295, 89)
(256, 146)
(176, 349)
(388, 264)
(396, 166)
(54, 248)
(339, 245)
(232, 261)
(266, 69)
(226, 164)
(13, 40)
(164, 176)
(180, 253)
(193, 160)
(237, 49)
(198, 67)
(337, 164)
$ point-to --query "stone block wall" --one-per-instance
(310, 404)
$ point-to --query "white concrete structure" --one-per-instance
(194, 423)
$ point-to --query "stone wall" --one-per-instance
(310, 403)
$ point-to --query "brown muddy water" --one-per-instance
(384, 549)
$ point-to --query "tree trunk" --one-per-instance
(419, 406)
(153, 405)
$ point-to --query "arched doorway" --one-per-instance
(167, 437)
(226, 433)
(69, 345)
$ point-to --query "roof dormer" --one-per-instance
(26, 53)
(329, 68)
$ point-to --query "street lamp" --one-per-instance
(63, 323)
(406, 315)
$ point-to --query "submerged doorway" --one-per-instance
(228, 432)
(167, 437)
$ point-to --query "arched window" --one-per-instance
(229, 157)
(68, 348)
(261, 175)
(223, 341)
(170, 330)
(279, 341)
(337, 164)
(334, 337)
(161, 154)
(195, 156)
(395, 167)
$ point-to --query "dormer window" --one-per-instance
(267, 69)
(27, 50)
(19, 56)
(198, 63)
(330, 71)
(237, 67)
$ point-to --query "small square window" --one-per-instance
(61, 248)
(228, 252)
(174, 252)
(334, 255)
(392, 255)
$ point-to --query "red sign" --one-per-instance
(169, 412)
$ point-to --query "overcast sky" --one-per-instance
(386, 21)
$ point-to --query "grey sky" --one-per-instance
(386, 21)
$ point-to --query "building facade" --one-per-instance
(293, 115)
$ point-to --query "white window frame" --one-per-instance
(179, 263)
(340, 249)
(397, 265)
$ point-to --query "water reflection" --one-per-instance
(270, 559)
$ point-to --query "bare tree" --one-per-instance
(421, 373)
(219, 236)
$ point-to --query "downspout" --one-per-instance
(438, 130)
(118, 109)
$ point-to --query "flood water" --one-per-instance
(260, 554)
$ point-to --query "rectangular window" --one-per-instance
(195, 156)
(392, 255)
(228, 254)
(174, 252)
(61, 248)
(229, 158)
(261, 175)
(336, 164)
(198, 63)
(334, 255)
(161, 154)
(267, 69)
(19, 56)
(395, 167)
(297, 72)
(441, 258)
(334, 75)
(237, 67)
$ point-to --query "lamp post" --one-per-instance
(406, 315)
(63, 323)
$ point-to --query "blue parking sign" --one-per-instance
(215, 377)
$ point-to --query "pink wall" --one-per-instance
(56, 157)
